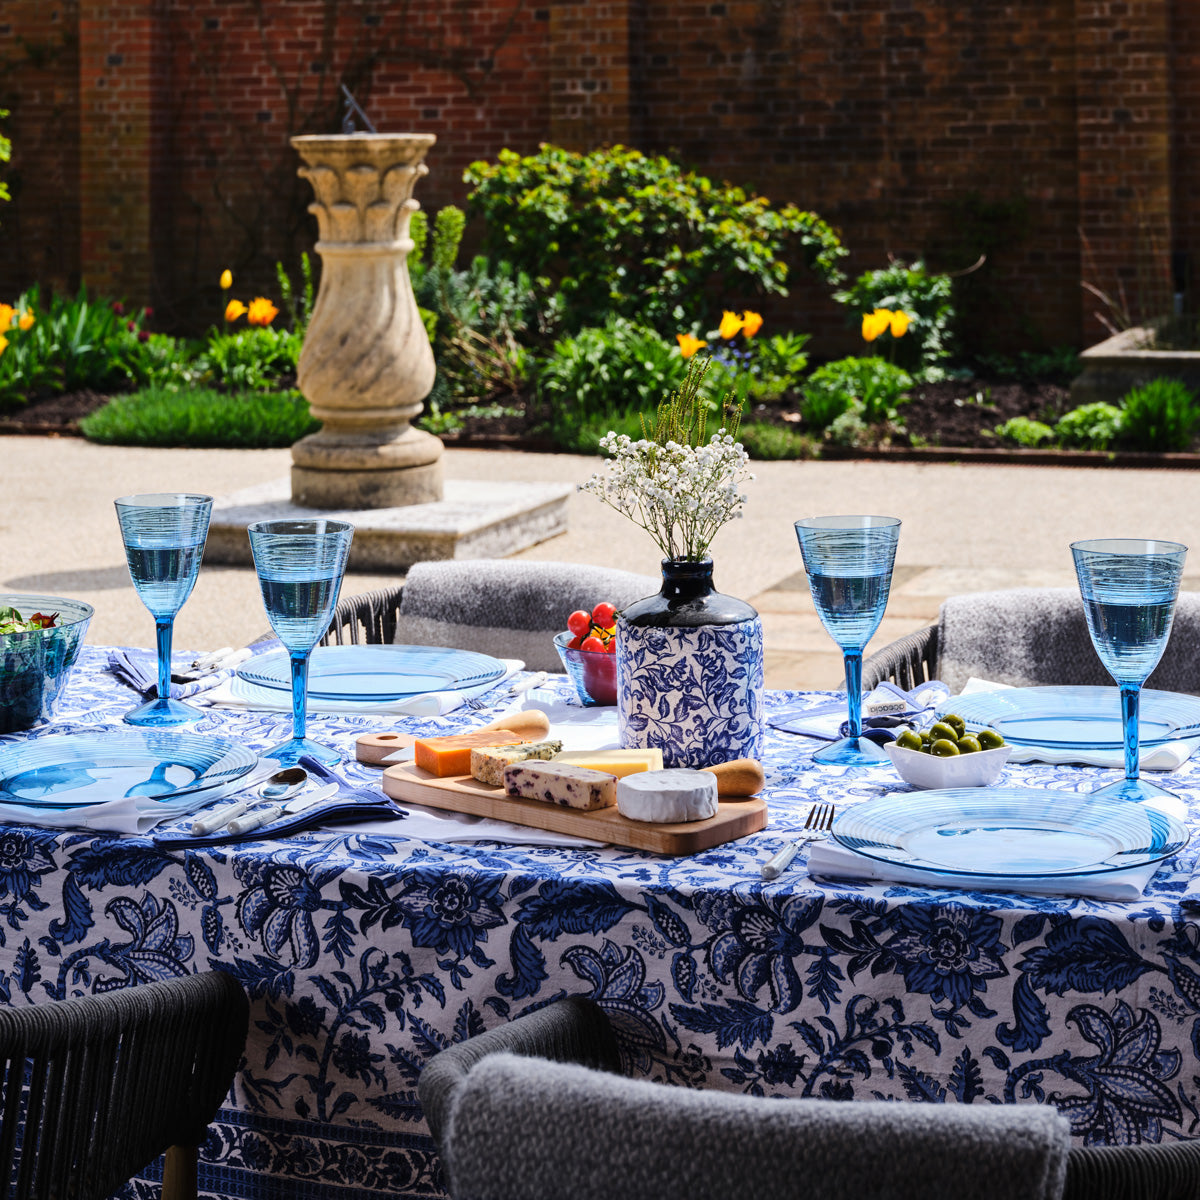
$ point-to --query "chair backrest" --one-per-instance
(527, 1129)
(97, 1087)
(1033, 636)
(507, 608)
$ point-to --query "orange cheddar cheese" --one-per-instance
(451, 755)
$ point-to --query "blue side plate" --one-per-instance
(389, 672)
(1019, 833)
(1077, 718)
(83, 769)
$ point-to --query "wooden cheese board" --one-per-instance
(407, 782)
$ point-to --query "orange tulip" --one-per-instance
(233, 310)
(900, 323)
(262, 311)
(7, 312)
(751, 323)
(730, 324)
(25, 320)
(873, 324)
(226, 280)
(3, 343)
(688, 345)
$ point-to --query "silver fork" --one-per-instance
(820, 820)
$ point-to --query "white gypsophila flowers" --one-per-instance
(681, 495)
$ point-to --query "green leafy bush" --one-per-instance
(873, 386)
(775, 367)
(1160, 415)
(620, 232)
(73, 343)
(155, 417)
(1025, 431)
(770, 442)
(297, 305)
(926, 345)
(254, 359)
(1089, 427)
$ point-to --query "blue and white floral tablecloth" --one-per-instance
(364, 954)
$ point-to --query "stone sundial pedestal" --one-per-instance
(366, 366)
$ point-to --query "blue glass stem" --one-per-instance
(853, 660)
(299, 693)
(163, 629)
(1130, 693)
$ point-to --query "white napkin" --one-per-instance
(829, 859)
(437, 825)
(1165, 756)
(237, 693)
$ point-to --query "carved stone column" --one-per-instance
(366, 366)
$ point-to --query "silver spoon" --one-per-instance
(279, 786)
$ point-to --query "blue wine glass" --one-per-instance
(164, 535)
(849, 565)
(1129, 586)
(300, 565)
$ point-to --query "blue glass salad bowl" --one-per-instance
(35, 663)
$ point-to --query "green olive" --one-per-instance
(926, 738)
(944, 748)
(939, 729)
(989, 739)
(909, 739)
(955, 722)
(969, 744)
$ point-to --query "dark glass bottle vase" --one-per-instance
(690, 671)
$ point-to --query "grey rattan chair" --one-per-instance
(98, 1087)
(510, 608)
(577, 1031)
(1026, 637)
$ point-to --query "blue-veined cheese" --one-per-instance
(488, 762)
(561, 783)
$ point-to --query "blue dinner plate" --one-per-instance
(1077, 718)
(390, 672)
(78, 770)
(1019, 833)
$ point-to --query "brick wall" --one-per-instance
(953, 129)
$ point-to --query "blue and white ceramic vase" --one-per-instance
(690, 671)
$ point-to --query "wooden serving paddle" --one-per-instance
(373, 748)
(738, 779)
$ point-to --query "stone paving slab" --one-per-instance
(967, 527)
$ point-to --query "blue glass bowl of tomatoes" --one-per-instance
(588, 655)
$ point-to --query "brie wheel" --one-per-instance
(668, 797)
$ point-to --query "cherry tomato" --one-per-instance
(592, 643)
(604, 615)
(610, 647)
(579, 622)
(575, 642)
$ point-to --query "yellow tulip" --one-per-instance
(226, 279)
(25, 320)
(234, 309)
(751, 323)
(688, 345)
(873, 324)
(262, 311)
(3, 343)
(730, 324)
(900, 323)
(7, 312)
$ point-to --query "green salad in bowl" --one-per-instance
(40, 639)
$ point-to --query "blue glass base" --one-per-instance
(1136, 790)
(851, 752)
(289, 753)
(156, 713)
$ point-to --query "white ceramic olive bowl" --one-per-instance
(960, 770)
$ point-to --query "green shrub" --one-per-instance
(297, 306)
(776, 366)
(771, 442)
(73, 343)
(1089, 427)
(251, 360)
(874, 384)
(621, 232)
(155, 417)
(1160, 415)
(1025, 431)
(926, 298)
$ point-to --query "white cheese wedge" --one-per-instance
(488, 762)
(677, 794)
(615, 762)
(561, 783)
